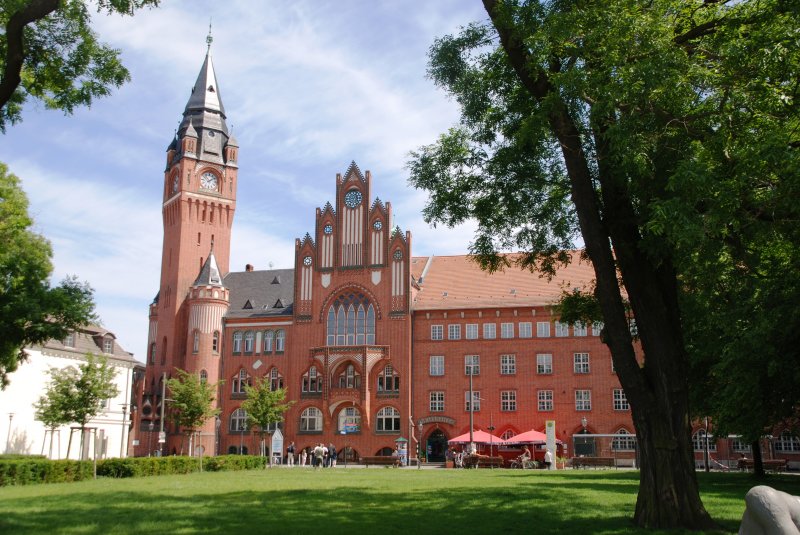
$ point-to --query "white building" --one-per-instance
(24, 434)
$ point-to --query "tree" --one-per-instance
(264, 407)
(192, 402)
(76, 394)
(645, 129)
(49, 52)
(31, 312)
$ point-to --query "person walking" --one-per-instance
(319, 455)
(548, 459)
(332, 454)
(303, 457)
(290, 454)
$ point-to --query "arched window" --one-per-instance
(203, 376)
(312, 381)
(249, 337)
(237, 342)
(351, 320)
(388, 420)
(269, 339)
(624, 441)
(280, 340)
(699, 441)
(153, 353)
(275, 379)
(241, 380)
(508, 434)
(311, 420)
(349, 420)
(215, 342)
(239, 420)
(388, 380)
(349, 377)
(196, 342)
(163, 350)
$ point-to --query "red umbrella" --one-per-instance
(479, 437)
(528, 437)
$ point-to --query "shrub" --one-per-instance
(32, 470)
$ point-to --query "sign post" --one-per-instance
(550, 432)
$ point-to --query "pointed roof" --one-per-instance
(209, 275)
(205, 93)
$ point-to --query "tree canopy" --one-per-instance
(49, 52)
(31, 311)
(264, 406)
(659, 134)
(192, 401)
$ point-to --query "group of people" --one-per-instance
(318, 456)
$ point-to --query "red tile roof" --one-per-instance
(454, 282)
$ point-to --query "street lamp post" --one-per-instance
(491, 429)
(420, 446)
(150, 438)
(8, 437)
(471, 413)
(122, 438)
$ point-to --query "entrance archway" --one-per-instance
(583, 444)
(436, 446)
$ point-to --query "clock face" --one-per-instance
(208, 180)
(307, 261)
(328, 229)
(175, 184)
(398, 254)
(352, 198)
(377, 225)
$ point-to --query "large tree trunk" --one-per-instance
(758, 459)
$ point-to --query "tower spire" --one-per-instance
(209, 39)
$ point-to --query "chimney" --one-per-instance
(248, 268)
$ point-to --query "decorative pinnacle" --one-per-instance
(209, 39)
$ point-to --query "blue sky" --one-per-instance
(308, 86)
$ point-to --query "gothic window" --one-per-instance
(275, 379)
(164, 351)
(351, 321)
(269, 339)
(311, 420)
(203, 376)
(280, 340)
(195, 342)
(237, 342)
(312, 381)
(153, 353)
(349, 420)
(215, 342)
(624, 441)
(239, 420)
(388, 420)
(388, 380)
(241, 380)
(349, 377)
(249, 338)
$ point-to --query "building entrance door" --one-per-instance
(436, 446)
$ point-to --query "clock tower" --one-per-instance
(199, 201)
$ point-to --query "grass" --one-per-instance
(375, 500)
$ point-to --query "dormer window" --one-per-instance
(69, 340)
(108, 345)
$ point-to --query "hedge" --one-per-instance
(28, 470)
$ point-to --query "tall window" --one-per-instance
(351, 321)
(508, 400)
(311, 420)
(624, 441)
(312, 381)
(506, 330)
(476, 400)
(562, 329)
(350, 420)
(472, 331)
(269, 341)
(215, 342)
(543, 329)
(388, 420)
(275, 379)
(69, 340)
(786, 442)
(241, 380)
(620, 400)
(437, 365)
(454, 331)
(196, 342)
(249, 338)
(153, 353)
(525, 329)
(581, 362)
(508, 364)
(544, 363)
(238, 420)
(388, 380)
(349, 377)
(437, 401)
(583, 400)
(237, 342)
(472, 364)
(699, 441)
(579, 328)
(545, 398)
(437, 332)
(280, 340)
(490, 331)
(203, 376)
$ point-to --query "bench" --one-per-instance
(382, 460)
(770, 465)
(483, 461)
(594, 462)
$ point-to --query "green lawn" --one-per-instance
(355, 501)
